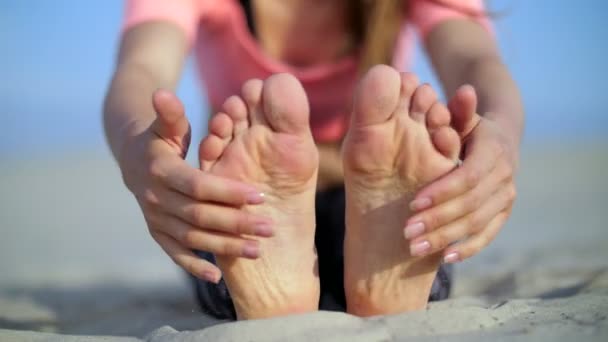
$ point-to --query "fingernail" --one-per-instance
(210, 277)
(255, 197)
(413, 230)
(263, 229)
(451, 258)
(420, 204)
(420, 248)
(251, 251)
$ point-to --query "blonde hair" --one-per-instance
(376, 25)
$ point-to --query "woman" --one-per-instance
(327, 45)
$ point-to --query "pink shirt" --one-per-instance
(228, 55)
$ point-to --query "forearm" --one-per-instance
(465, 53)
(151, 57)
(499, 97)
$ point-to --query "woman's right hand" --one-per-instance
(185, 208)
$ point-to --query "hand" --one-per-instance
(462, 212)
(186, 208)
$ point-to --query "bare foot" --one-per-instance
(399, 140)
(263, 138)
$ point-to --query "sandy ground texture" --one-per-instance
(77, 264)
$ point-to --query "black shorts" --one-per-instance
(215, 300)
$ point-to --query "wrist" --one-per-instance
(493, 130)
(131, 132)
(132, 150)
(510, 122)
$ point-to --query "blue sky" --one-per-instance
(57, 58)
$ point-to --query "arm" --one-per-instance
(473, 202)
(149, 135)
(150, 57)
(463, 52)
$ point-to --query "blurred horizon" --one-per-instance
(59, 56)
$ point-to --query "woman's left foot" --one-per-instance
(399, 140)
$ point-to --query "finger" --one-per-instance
(446, 212)
(465, 226)
(463, 107)
(203, 186)
(187, 260)
(171, 120)
(480, 162)
(209, 241)
(234, 221)
(473, 245)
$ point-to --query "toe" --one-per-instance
(221, 125)
(236, 109)
(210, 150)
(437, 117)
(252, 94)
(377, 96)
(447, 142)
(423, 100)
(220, 134)
(409, 84)
(285, 105)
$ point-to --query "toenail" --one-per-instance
(451, 258)
(420, 248)
(420, 204)
(255, 197)
(251, 251)
(414, 230)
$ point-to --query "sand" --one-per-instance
(77, 264)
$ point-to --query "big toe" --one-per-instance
(285, 105)
(377, 96)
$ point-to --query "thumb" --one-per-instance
(171, 123)
(463, 107)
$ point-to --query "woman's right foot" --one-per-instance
(399, 140)
(263, 138)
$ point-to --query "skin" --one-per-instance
(390, 151)
(266, 140)
(472, 203)
(471, 70)
(326, 37)
(150, 138)
(277, 21)
(399, 139)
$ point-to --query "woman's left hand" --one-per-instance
(462, 212)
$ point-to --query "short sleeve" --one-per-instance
(183, 13)
(426, 14)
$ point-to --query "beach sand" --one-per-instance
(76, 260)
